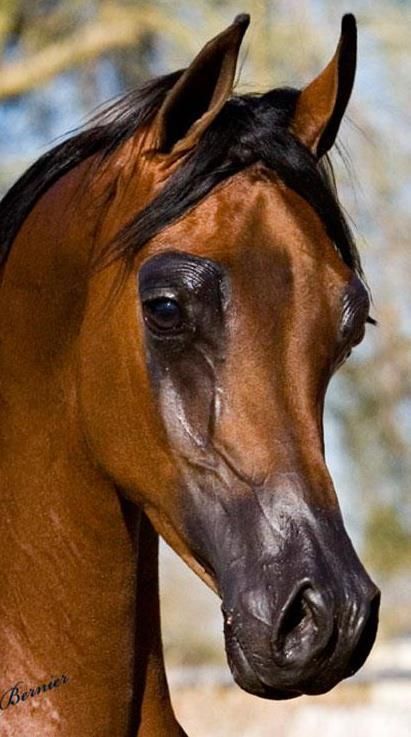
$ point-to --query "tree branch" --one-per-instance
(116, 28)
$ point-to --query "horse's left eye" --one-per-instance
(163, 315)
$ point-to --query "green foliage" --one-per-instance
(388, 541)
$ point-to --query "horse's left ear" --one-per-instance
(321, 105)
(200, 93)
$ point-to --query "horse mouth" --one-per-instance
(245, 676)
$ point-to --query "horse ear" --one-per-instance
(321, 105)
(200, 93)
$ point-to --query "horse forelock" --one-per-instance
(250, 129)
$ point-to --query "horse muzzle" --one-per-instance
(302, 620)
(310, 646)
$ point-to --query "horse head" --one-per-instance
(201, 379)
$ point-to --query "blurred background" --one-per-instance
(60, 60)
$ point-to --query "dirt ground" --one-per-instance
(383, 710)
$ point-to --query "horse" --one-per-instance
(178, 286)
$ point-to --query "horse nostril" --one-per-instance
(304, 627)
(366, 632)
(296, 615)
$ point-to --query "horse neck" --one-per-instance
(69, 544)
(155, 715)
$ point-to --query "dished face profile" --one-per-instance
(240, 350)
(187, 285)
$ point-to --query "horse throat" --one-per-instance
(153, 713)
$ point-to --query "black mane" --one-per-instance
(249, 129)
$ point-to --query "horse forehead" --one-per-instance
(255, 220)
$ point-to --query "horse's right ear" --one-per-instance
(200, 93)
(321, 105)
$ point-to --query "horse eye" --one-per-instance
(163, 315)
